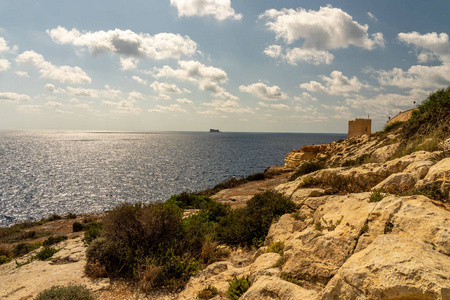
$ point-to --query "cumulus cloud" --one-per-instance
(322, 30)
(5, 48)
(139, 80)
(166, 109)
(4, 65)
(226, 106)
(13, 97)
(305, 97)
(129, 45)
(22, 74)
(219, 9)
(128, 63)
(165, 88)
(430, 46)
(53, 89)
(185, 101)
(263, 91)
(280, 106)
(64, 74)
(207, 78)
(107, 93)
(384, 105)
(54, 104)
(336, 84)
(123, 107)
(296, 55)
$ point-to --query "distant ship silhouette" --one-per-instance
(214, 130)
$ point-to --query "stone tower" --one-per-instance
(359, 127)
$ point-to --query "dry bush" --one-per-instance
(208, 253)
(6, 250)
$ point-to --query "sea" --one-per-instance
(60, 172)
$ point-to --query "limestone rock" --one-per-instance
(420, 168)
(397, 183)
(269, 288)
(384, 153)
(300, 195)
(283, 229)
(392, 267)
(263, 265)
(438, 175)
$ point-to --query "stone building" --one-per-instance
(359, 127)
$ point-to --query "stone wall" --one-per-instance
(359, 127)
(402, 117)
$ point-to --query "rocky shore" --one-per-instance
(347, 240)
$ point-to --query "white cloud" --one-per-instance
(305, 97)
(22, 74)
(207, 78)
(296, 55)
(13, 97)
(5, 48)
(430, 46)
(165, 88)
(128, 63)
(126, 43)
(220, 9)
(336, 84)
(280, 106)
(185, 101)
(166, 109)
(263, 91)
(64, 74)
(372, 16)
(54, 104)
(123, 107)
(136, 96)
(226, 106)
(4, 64)
(327, 28)
(53, 89)
(384, 105)
(139, 79)
(95, 93)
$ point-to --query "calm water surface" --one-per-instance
(45, 172)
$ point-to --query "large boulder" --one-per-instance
(392, 267)
(438, 177)
(271, 288)
(397, 183)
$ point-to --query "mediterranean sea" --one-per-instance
(47, 172)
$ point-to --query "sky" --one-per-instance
(238, 66)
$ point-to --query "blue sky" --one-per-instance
(253, 65)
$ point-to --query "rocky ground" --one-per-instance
(347, 240)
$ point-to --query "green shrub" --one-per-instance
(71, 292)
(391, 127)
(51, 240)
(208, 292)
(276, 247)
(45, 253)
(376, 196)
(237, 287)
(24, 248)
(288, 277)
(93, 231)
(70, 216)
(4, 259)
(251, 224)
(77, 227)
(306, 168)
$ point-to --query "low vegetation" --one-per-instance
(208, 293)
(306, 168)
(154, 245)
(71, 292)
(231, 183)
(237, 287)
